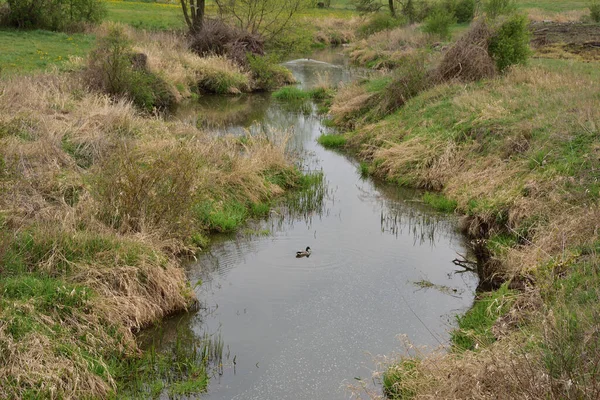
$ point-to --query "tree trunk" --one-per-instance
(193, 13)
(392, 9)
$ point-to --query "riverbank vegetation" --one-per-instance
(101, 196)
(506, 131)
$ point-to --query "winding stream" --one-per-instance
(303, 328)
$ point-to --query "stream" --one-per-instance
(303, 328)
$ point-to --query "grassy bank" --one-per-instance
(97, 201)
(516, 155)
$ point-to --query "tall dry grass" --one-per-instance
(383, 50)
(101, 197)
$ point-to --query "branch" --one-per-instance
(463, 262)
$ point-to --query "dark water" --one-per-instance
(304, 328)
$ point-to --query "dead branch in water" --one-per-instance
(463, 262)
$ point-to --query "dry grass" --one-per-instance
(349, 102)
(108, 196)
(505, 154)
(519, 155)
(539, 15)
(384, 49)
(334, 31)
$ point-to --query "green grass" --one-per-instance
(474, 327)
(395, 375)
(440, 202)
(333, 141)
(151, 16)
(291, 93)
(27, 51)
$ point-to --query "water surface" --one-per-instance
(304, 328)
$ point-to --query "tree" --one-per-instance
(392, 9)
(268, 18)
(193, 12)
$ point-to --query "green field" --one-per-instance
(25, 51)
(554, 5)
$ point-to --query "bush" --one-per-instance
(54, 14)
(464, 10)
(219, 38)
(379, 22)
(510, 44)
(114, 69)
(267, 74)
(367, 6)
(594, 7)
(495, 8)
(438, 23)
(468, 59)
(411, 78)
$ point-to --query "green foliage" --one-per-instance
(379, 22)
(438, 23)
(291, 93)
(222, 217)
(474, 328)
(363, 169)
(395, 376)
(464, 10)
(367, 6)
(54, 14)
(495, 8)
(594, 7)
(267, 74)
(332, 141)
(510, 43)
(440, 202)
(111, 69)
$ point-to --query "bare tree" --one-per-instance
(266, 17)
(193, 12)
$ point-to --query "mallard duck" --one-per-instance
(305, 253)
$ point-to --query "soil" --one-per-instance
(578, 39)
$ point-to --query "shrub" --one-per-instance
(114, 69)
(468, 59)
(410, 79)
(464, 10)
(367, 6)
(219, 38)
(136, 189)
(54, 14)
(438, 23)
(379, 22)
(495, 8)
(267, 74)
(594, 7)
(510, 44)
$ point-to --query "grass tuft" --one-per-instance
(332, 141)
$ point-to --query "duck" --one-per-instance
(303, 253)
